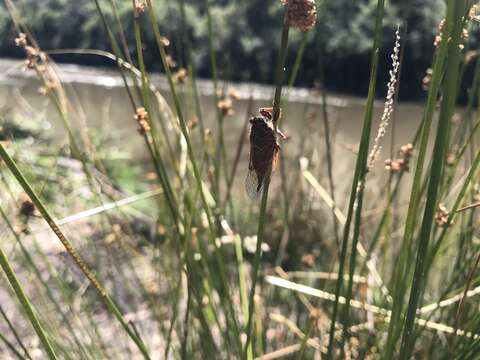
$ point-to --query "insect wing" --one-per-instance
(275, 159)
(252, 187)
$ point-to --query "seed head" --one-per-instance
(180, 75)
(234, 94)
(193, 122)
(438, 37)
(139, 8)
(406, 151)
(165, 41)
(226, 106)
(170, 62)
(389, 103)
(441, 217)
(456, 119)
(21, 40)
(141, 116)
(301, 14)
(402, 164)
(427, 79)
(450, 161)
(35, 59)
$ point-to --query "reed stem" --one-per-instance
(280, 70)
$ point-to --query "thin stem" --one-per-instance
(198, 180)
(11, 347)
(26, 305)
(15, 332)
(358, 180)
(455, 8)
(248, 353)
(69, 248)
(402, 270)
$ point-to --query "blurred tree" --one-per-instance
(247, 36)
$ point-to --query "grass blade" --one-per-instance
(456, 9)
(71, 251)
(359, 175)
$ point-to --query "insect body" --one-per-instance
(264, 148)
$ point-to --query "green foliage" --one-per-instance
(244, 36)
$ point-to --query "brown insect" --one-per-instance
(264, 148)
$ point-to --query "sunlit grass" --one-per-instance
(183, 270)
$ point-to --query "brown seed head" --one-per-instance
(35, 59)
(438, 37)
(180, 75)
(301, 14)
(226, 106)
(406, 151)
(392, 165)
(456, 119)
(165, 41)
(21, 40)
(450, 161)
(193, 122)
(170, 62)
(427, 79)
(141, 116)
(139, 8)
(234, 94)
(441, 217)
(402, 164)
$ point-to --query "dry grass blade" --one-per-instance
(281, 353)
(342, 220)
(321, 275)
(383, 314)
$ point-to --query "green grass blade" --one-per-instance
(456, 9)
(402, 269)
(360, 172)
(26, 305)
(71, 251)
(279, 76)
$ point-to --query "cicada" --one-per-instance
(264, 149)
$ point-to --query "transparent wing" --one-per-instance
(276, 158)
(251, 185)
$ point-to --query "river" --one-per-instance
(99, 94)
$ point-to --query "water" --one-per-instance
(100, 100)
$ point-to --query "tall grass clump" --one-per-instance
(26, 305)
(356, 194)
(127, 233)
